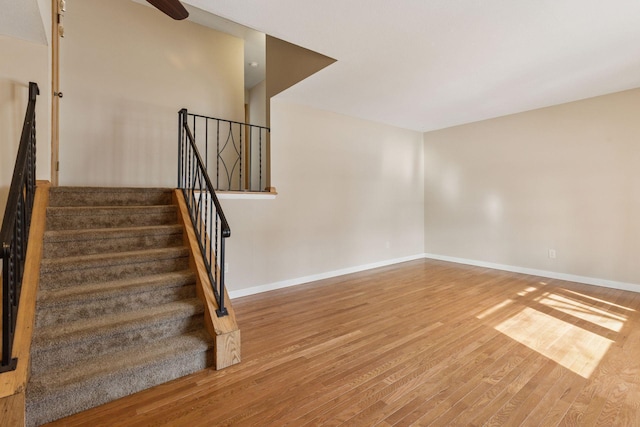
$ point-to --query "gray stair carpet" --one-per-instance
(117, 310)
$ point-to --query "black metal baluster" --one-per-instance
(209, 220)
(218, 155)
(180, 143)
(260, 174)
(14, 232)
(6, 309)
(240, 182)
(222, 310)
(206, 144)
(211, 253)
(219, 267)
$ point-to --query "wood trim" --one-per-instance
(55, 87)
(224, 330)
(13, 383)
(12, 410)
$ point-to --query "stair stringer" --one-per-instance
(13, 383)
(224, 330)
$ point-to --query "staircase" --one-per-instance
(117, 310)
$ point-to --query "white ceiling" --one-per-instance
(431, 64)
(24, 20)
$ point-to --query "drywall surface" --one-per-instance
(259, 137)
(563, 178)
(350, 193)
(258, 104)
(126, 70)
(288, 64)
(22, 63)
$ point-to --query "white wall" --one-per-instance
(345, 186)
(566, 178)
(22, 62)
(126, 70)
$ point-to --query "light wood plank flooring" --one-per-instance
(419, 343)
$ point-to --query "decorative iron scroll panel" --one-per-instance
(235, 154)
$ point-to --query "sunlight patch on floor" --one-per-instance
(569, 345)
(597, 316)
(599, 300)
(488, 312)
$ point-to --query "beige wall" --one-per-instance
(126, 70)
(346, 187)
(258, 104)
(21, 63)
(566, 178)
(258, 117)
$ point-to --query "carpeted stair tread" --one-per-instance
(92, 196)
(66, 243)
(106, 210)
(117, 308)
(97, 299)
(101, 290)
(53, 265)
(62, 392)
(108, 233)
(78, 341)
(195, 340)
(83, 217)
(61, 335)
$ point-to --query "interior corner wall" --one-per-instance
(23, 62)
(44, 7)
(126, 70)
(565, 178)
(345, 187)
(258, 104)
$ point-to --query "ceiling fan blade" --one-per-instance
(173, 8)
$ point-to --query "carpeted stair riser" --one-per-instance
(65, 272)
(117, 308)
(53, 350)
(68, 243)
(49, 399)
(61, 306)
(92, 196)
(74, 218)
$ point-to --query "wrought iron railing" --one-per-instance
(205, 211)
(235, 154)
(14, 234)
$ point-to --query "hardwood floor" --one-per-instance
(419, 343)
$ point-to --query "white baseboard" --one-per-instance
(312, 278)
(542, 273)
(523, 270)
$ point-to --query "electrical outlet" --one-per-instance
(226, 267)
(552, 253)
(387, 244)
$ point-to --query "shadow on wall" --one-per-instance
(13, 103)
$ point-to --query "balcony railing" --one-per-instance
(235, 154)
